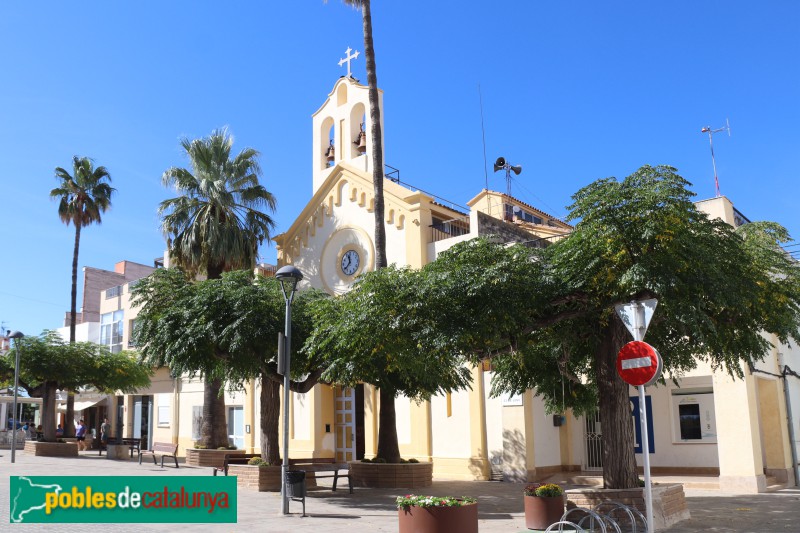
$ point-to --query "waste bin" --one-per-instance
(296, 487)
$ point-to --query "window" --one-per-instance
(164, 403)
(516, 212)
(131, 330)
(113, 292)
(693, 419)
(111, 327)
(689, 420)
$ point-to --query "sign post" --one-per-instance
(639, 364)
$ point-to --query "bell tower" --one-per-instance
(342, 128)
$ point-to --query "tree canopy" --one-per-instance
(226, 329)
(546, 316)
(718, 289)
(47, 363)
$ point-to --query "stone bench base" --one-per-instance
(51, 449)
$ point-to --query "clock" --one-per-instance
(350, 262)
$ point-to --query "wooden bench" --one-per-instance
(164, 449)
(234, 459)
(327, 465)
(134, 443)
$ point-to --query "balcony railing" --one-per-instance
(451, 228)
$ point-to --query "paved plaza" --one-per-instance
(372, 510)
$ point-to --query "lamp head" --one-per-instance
(16, 335)
(288, 276)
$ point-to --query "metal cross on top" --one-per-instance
(347, 58)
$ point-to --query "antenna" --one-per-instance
(501, 163)
(483, 137)
(707, 129)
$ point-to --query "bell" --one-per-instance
(361, 142)
(330, 153)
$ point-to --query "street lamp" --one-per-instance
(17, 335)
(288, 276)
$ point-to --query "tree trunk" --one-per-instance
(214, 431)
(49, 411)
(270, 421)
(375, 134)
(388, 447)
(619, 461)
(69, 417)
(73, 308)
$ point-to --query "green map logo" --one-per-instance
(122, 499)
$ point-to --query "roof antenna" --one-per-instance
(707, 129)
(483, 136)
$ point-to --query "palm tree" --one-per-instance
(214, 226)
(388, 447)
(82, 196)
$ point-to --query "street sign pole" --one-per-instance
(639, 328)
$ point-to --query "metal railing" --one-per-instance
(451, 228)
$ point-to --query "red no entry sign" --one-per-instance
(638, 363)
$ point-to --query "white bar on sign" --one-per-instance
(639, 362)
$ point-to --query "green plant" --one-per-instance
(544, 490)
(412, 500)
(413, 460)
(199, 446)
(257, 461)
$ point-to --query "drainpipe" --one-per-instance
(792, 442)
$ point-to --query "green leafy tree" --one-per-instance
(216, 225)
(47, 364)
(545, 316)
(374, 334)
(82, 198)
(226, 328)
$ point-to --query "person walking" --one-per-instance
(105, 432)
(80, 436)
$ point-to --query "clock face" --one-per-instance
(350, 262)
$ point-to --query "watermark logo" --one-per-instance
(122, 499)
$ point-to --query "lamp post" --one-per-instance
(288, 276)
(17, 335)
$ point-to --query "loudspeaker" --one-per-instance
(500, 163)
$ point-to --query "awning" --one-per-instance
(80, 406)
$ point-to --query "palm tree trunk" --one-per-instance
(270, 420)
(619, 462)
(388, 446)
(375, 132)
(69, 423)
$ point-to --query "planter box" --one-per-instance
(385, 475)
(669, 501)
(462, 519)
(198, 457)
(541, 511)
(51, 449)
(263, 478)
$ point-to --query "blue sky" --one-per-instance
(572, 91)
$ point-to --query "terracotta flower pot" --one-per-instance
(541, 511)
(462, 519)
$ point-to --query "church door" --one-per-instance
(344, 404)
